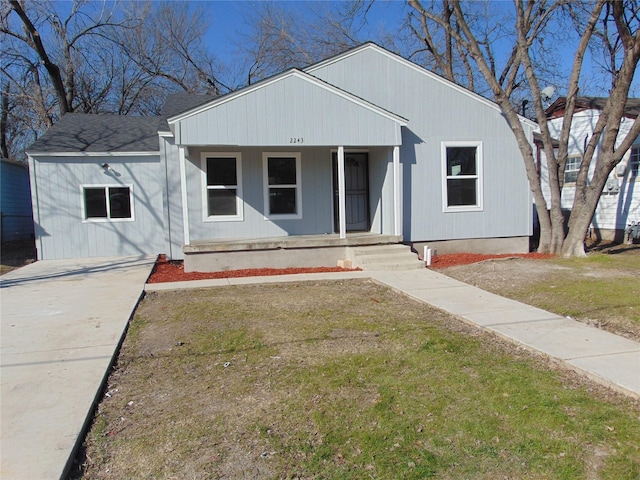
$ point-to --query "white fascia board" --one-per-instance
(291, 73)
(417, 68)
(93, 154)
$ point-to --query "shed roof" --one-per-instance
(81, 132)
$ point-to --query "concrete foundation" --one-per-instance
(302, 251)
(476, 245)
(274, 258)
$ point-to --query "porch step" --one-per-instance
(385, 257)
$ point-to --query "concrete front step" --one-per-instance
(386, 257)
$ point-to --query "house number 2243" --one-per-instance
(296, 140)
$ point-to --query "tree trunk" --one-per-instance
(4, 114)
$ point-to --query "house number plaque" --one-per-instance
(296, 140)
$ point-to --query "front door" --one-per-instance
(356, 179)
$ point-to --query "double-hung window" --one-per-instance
(282, 185)
(572, 168)
(634, 163)
(107, 203)
(222, 178)
(462, 180)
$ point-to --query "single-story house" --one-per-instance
(16, 220)
(619, 203)
(363, 148)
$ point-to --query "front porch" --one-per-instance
(295, 251)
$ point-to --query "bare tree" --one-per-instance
(278, 38)
(530, 20)
(96, 57)
(167, 44)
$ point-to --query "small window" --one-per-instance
(282, 185)
(634, 163)
(222, 186)
(572, 168)
(107, 203)
(462, 165)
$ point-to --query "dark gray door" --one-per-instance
(356, 177)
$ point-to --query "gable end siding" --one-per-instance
(437, 112)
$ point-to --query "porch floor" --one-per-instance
(292, 241)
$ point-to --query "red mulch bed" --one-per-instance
(454, 259)
(174, 271)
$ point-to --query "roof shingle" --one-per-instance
(80, 132)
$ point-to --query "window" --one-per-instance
(282, 185)
(103, 203)
(634, 163)
(462, 165)
(222, 178)
(572, 168)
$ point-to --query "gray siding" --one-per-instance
(57, 195)
(16, 221)
(290, 108)
(317, 196)
(437, 111)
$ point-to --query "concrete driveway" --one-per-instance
(61, 324)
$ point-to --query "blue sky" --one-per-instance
(227, 23)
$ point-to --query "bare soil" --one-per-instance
(16, 254)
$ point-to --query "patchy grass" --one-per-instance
(343, 380)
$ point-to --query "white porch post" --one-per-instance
(183, 191)
(341, 195)
(397, 206)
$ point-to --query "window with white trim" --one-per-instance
(222, 180)
(282, 185)
(634, 163)
(107, 203)
(572, 168)
(462, 167)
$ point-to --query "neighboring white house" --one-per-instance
(364, 144)
(619, 203)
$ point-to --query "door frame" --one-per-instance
(334, 187)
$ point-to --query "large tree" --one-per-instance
(612, 25)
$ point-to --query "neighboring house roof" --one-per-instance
(181, 102)
(93, 133)
(631, 110)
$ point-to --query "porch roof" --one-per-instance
(293, 108)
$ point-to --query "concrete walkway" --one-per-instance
(608, 359)
(61, 324)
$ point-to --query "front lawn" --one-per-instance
(343, 380)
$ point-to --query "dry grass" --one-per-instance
(343, 380)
